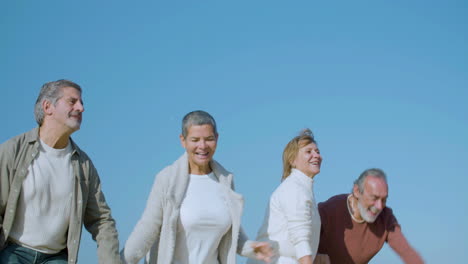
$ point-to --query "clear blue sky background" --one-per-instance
(381, 84)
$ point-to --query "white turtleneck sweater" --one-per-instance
(292, 220)
(43, 214)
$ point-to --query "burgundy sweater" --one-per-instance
(346, 241)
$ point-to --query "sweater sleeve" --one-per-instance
(297, 204)
(398, 242)
(148, 228)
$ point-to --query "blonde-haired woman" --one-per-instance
(292, 221)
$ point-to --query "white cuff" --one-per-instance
(303, 249)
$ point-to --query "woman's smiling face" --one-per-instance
(200, 144)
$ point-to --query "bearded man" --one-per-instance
(355, 226)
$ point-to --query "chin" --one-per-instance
(371, 218)
(203, 162)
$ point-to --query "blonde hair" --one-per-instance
(304, 138)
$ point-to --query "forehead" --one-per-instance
(375, 186)
(304, 145)
(70, 92)
(200, 131)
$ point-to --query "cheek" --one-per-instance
(213, 145)
(367, 203)
(190, 146)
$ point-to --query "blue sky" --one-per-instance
(381, 84)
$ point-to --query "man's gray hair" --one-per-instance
(369, 172)
(197, 118)
(51, 91)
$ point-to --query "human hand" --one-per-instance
(263, 251)
(322, 259)
(306, 260)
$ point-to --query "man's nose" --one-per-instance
(379, 204)
(79, 106)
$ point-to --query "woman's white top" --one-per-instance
(292, 220)
(204, 219)
(43, 216)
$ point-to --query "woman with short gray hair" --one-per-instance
(193, 214)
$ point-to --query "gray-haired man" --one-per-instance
(49, 188)
(355, 226)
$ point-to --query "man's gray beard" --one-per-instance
(364, 215)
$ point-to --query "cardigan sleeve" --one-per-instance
(148, 228)
(244, 245)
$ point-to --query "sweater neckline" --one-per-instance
(295, 173)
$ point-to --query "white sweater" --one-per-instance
(292, 220)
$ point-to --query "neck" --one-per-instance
(353, 209)
(199, 170)
(53, 138)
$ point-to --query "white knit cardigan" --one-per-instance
(155, 233)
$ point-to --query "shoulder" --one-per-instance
(219, 170)
(334, 210)
(81, 153)
(20, 139)
(165, 173)
(224, 176)
(333, 205)
(292, 191)
(333, 202)
(388, 218)
(286, 186)
(83, 158)
(173, 172)
(18, 143)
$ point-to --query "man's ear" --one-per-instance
(182, 140)
(356, 192)
(47, 107)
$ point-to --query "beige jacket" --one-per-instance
(155, 233)
(89, 207)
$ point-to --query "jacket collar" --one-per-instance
(33, 136)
